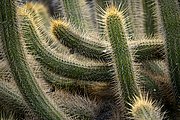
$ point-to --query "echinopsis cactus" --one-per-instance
(94, 60)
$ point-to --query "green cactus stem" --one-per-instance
(83, 45)
(40, 10)
(19, 67)
(75, 86)
(59, 65)
(135, 8)
(147, 49)
(171, 22)
(78, 12)
(116, 31)
(150, 17)
(124, 78)
(41, 20)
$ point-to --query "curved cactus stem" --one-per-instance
(147, 49)
(40, 10)
(75, 86)
(83, 45)
(59, 65)
(39, 15)
(19, 66)
(171, 22)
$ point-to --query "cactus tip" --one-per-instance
(58, 23)
(144, 108)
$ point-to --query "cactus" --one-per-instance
(73, 66)
(144, 109)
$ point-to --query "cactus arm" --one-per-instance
(40, 10)
(77, 42)
(147, 49)
(171, 21)
(74, 86)
(115, 26)
(59, 65)
(41, 19)
(124, 79)
(20, 69)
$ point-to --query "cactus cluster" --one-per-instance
(90, 60)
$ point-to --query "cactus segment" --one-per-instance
(137, 18)
(83, 45)
(115, 24)
(150, 18)
(75, 86)
(147, 49)
(19, 66)
(41, 19)
(171, 21)
(145, 109)
(59, 65)
(78, 12)
(39, 10)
